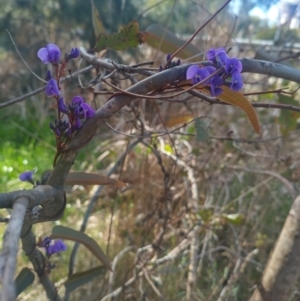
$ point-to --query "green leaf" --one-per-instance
(128, 36)
(288, 120)
(23, 280)
(234, 218)
(97, 23)
(74, 235)
(160, 38)
(79, 279)
(202, 133)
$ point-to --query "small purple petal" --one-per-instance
(73, 54)
(222, 57)
(77, 100)
(52, 88)
(62, 106)
(192, 71)
(199, 74)
(88, 111)
(217, 56)
(211, 54)
(53, 53)
(56, 247)
(233, 65)
(43, 55)
(48, 75)
(216, 83)
(27, 176)
(236, 81)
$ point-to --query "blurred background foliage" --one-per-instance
(240, 204)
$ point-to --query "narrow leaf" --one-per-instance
(178, 119)
(74, 235)
(128, 36)
(23, 280)
(234, 218)
(79, 279)
(158, 37)
(83, 178)
(97, 23)
(238, 99)
(233, 98)
(201, 130)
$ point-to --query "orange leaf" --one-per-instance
(231, 97)
(238, 99)
(178, 119)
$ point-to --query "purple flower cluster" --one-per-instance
(78, 109)
(51, 54)
(52, 246)
(229, 74)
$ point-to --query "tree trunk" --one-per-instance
(283, 267)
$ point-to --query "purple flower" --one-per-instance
(27, 176)
(52, 88)
(77, 100)
(73, 54)
(217, 56)
(215, 87)
(62, 107)
(197, 74)
(56, 247)
(49, 54)
(81, 109)
(236, 81)
(232, 65)
(53, 246)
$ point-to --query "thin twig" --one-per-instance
(197, 31)
(24, 62)
(39, 90)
